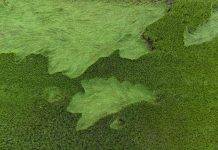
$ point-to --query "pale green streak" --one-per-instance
(53, 94)
(105, 97)
(117, 124)
(204, 33)
(75, 34)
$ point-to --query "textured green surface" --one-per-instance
(75, 34)
(184, 78)
(105, 97)
(117, 124)
(53, 94)
(204, 33)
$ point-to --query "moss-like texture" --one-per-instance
(185, 78)
(205, 32)
(105, 97)
(75, 34)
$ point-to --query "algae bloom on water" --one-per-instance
(108, 74)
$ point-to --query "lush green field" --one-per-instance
(185, 78)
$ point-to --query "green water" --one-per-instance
(185, 78)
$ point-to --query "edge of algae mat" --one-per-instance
(185, 79)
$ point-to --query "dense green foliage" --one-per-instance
(184, 78)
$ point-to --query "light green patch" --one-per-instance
(117, 124)
(204, 33)
(53, 94)
(75, 34)
(105, 97)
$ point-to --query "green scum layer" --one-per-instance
(184, 78)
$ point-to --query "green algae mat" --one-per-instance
(130, 74)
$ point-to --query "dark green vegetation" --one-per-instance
(186, 80)
(74, 38)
